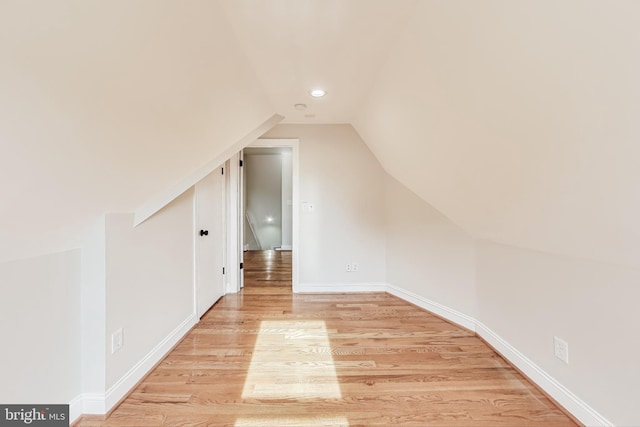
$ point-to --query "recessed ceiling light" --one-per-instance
(317, 93)
(300, 107)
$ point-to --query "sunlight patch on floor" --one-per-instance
(282, 368)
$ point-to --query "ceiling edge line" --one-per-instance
(156, 204)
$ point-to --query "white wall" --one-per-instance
(41, 329)
(263, 177)
(150, 281)
(94, 120)
(343, 180)
(426, 253)
(93, 308)
(101, 110)
(527, 297)
(518, 121)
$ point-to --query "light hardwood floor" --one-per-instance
(266, 357)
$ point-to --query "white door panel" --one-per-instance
(209, 240)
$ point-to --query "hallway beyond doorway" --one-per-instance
(267, 271)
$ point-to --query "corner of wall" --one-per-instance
(434, 264)
(94, 308)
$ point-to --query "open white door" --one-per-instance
(241, 196)
(210, 240)
(234, 247)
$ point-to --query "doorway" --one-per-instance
(267, 199)
(269, 217)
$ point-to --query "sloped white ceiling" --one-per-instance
(296, 45)
(105, 104)
(518, 120)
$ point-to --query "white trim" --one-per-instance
(152, 206)
(441, 310)
(229, 282)
(129, 380)
(76, 408)
(102, 403)
(295, 215)
(572, 403)
(286, 247)
(241, 196)
(93, 404)
(195, 249)
(233, 224)
(337, 288)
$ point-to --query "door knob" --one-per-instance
(204, 232)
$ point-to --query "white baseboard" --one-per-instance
(230, 289)
(441, 310)
(76, 408)
(93, 404)
(96, 403)
(286, 247)
(312, 288)
(142, 368)
(102, 403)
(572, 403)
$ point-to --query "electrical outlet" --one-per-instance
(116, 341)
(349, 268)
(561, 349)
(355, 267)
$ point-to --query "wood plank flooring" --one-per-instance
(266, 357)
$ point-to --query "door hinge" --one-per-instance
(241, 163)
(222, 171)
(222, 270)
(241, 265)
